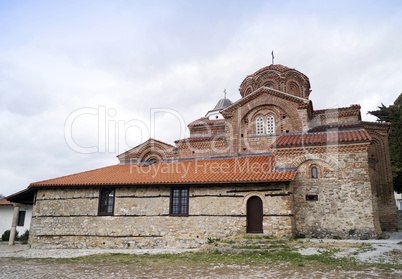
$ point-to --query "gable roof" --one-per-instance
(239, 169)
(305, 139)
(143, 146)
(267, 90)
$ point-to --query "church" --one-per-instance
(265, 164)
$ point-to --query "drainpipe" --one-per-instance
(14, 223)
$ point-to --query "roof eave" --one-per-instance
(218, 184)
(25, 196)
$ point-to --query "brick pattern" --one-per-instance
(151, 149)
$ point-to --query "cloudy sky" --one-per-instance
(82, 81)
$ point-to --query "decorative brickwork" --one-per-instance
(277, 77)
(150, 150)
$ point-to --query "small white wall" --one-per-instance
(398, 200)
(214, 115)
(6, 218)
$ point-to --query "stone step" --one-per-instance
(253, 244)
(246, 245)
(238, 251)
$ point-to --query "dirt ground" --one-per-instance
(21, 262)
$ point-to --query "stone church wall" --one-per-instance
(68, 218)
(345, 205)
(381, 174)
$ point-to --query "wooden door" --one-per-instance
(254, 215)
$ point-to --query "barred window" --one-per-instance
(269, 128)
(260, 125)
(179, 201)
(106, 202)
(270, 125)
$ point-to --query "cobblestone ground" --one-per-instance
(48, 268)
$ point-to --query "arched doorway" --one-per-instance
(254, 215)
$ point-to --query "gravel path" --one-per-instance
(45, 268)
(378, 250)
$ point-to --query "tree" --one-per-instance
(2, 197)
(393, 114)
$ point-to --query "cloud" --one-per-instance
(131, 57)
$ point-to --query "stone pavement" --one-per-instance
(23, 251)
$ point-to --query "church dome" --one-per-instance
(274, 67)
(215, 113)
(223, 103)
(277, 77)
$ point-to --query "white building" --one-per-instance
(6, 217)
(398, 200)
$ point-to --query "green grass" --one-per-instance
(257, 237)
(249, 247)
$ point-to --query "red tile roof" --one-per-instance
(351, 107)
(341, 126)
(321, 138)
(194, 139)
(206, 121)
(196, 171)
(5, 202)
(274, 67)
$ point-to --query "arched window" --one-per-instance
(267, 128)
(260, 125)
(314, 172)
(270, 125)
